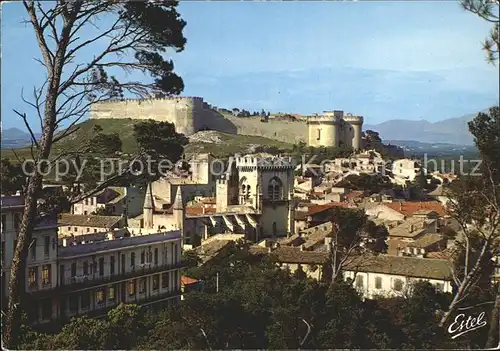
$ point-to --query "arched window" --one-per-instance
(398, 285)
(243, 188)
(275, 189)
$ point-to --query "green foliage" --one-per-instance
(260, 305)
(372, 183)
(159, 139)
(487, 10)
(13, 178)
(190, 260)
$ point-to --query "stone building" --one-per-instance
(254, 197)
(334, 129)
(91, 278)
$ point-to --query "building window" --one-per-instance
(319, 134)
(33, 249)
(398, 285)
(142, 257)
(88, 230)
(85, 300)
(131, 287)
(69, 229)
(132, 259)
(17, 221)
(142, 285)
(101, 266)
(4, 223)
(46, 309)
(32, 277)
(112, 265)
(85, 268)
(156, 281)
(75, 229)
(175, 253)
(61, 274)
(164, 280)
(99, 296)
(46, 274)
(85, 213)
(275, 229)
(275, 189)
(378, 283)
(156, 256)
(46, 247)
(86, 201)
(73, 269)
(73, 303)
(359, 282)
(95, 230)
(3, 253)
(111, 293)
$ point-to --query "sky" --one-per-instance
(381, 60)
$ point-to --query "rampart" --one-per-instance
(185, 112)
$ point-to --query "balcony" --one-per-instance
(84, 282)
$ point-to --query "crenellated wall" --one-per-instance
(185, 112)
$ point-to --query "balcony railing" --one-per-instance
(88, 281)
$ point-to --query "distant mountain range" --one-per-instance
(448, 131)
(15, 137)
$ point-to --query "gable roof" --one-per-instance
(408, 208)
(315, 209)
(289, 254)
(401, 265)
(66, 219)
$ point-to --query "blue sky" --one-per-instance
(382, 60)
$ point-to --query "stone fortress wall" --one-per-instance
(185, 112)
(192, 114)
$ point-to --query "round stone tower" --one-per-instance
(356, 126)
(324, 130)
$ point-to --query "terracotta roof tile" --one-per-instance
(400, 265)
(408, 208)
(88, 221)
(188, 281)
(320, 208)
(354, 194)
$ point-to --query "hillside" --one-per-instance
(217, 143)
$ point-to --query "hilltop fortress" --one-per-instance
(185, 112)
(192, 114)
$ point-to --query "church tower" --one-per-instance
(148, 208)
(178, 209)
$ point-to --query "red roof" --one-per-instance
(355, 193)
(312, 210)
(188, 281)
(197, 211)
(408, 208)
